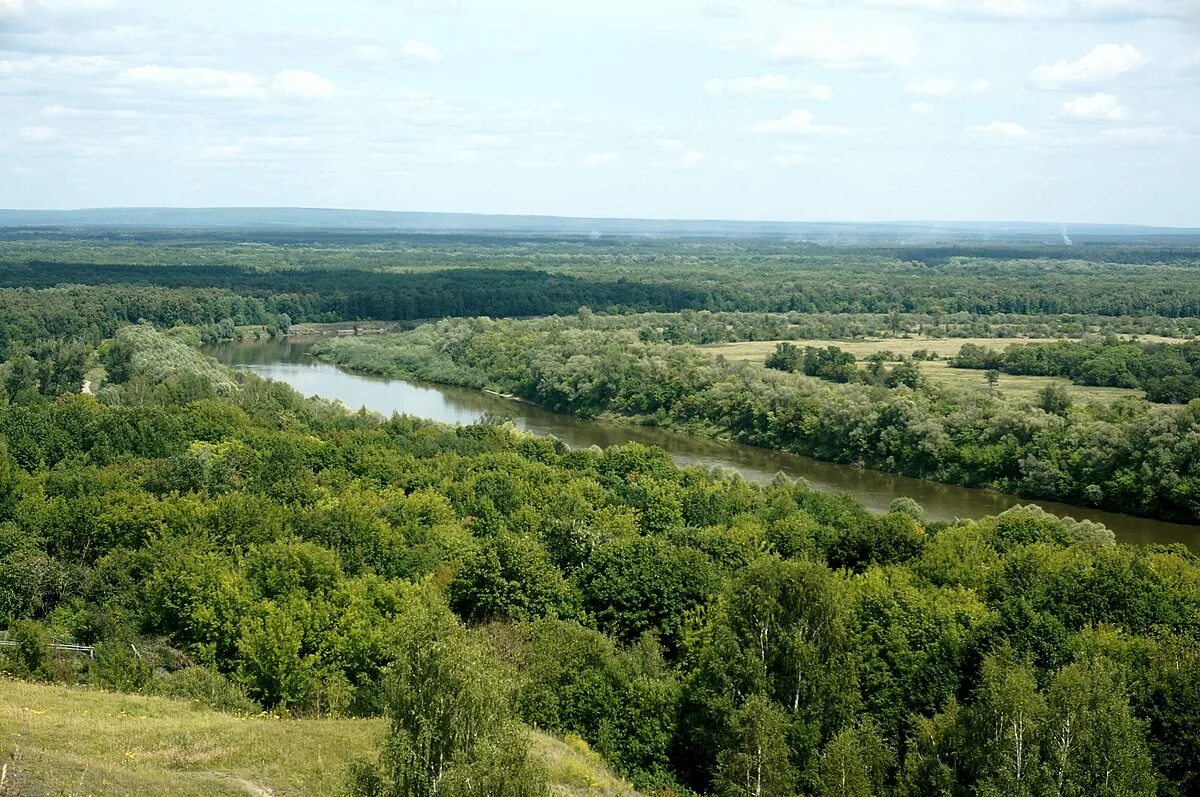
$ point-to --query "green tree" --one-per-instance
(757, 762)
(512, 576)
(1093, 745)
(853, 764)
(501, 766)
(30, 655)
(273, 666)
(1054, 399)
(450, 705)
(1008, 714)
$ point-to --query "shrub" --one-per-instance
(206, 687)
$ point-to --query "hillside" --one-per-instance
(57, 740)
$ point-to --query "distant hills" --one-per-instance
(377, 221)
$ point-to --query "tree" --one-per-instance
(10, 475)
(450, 705)
(1008, 713)
(1054, 399)
(21, 382)
(757, 762)
(1093, 744)
(992, 377)
(30, 655)
(853, 764)
(908, 506)
(786, 357)
(512, 576)
(272, 665)
(646, 584)
(501, 766)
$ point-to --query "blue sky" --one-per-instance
(1046, 110)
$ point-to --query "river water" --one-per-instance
(286, 360)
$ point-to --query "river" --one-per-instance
(287, 360)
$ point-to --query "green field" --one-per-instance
(759, 350)
(58, 740)
(939, 372)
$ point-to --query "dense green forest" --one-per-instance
(381, 278)
(266, 551)
(215, 537)
(1129, 456)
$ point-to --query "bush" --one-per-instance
(117, 667)
(32, 656)
(206, 687)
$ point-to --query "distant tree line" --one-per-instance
(386, 282)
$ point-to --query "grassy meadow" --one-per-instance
(939, 372)
(59, 740)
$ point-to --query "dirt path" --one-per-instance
(249, 786)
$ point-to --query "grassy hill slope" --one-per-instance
(57, 740)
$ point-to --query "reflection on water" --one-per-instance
(287, 361)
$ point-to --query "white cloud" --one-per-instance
(422, 52)
(669, 144)
(202, 81)
(15, 8)
(224, 152)
(980, 86)
(305, 85)
(933, 87)
(1073, 10)
(1102, 62)
(39, 134)
(1163, 134)
(599, 159)
(371, 54)
(858, 49)
(65, 111)
(1010, 130)
(691, 158)
(1095, 107)
(920, 106)
(797, 123)
(768, 84)
(41, 66)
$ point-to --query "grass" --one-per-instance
(759, 350)
(939, 371)
(1025, 388)
(58, 740)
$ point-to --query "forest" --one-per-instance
(219, 539)
(266, 551)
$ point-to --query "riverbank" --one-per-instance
(288, 361)
(1088, 454)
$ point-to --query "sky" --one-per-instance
(870, 110)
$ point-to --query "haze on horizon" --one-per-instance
(865, 110)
